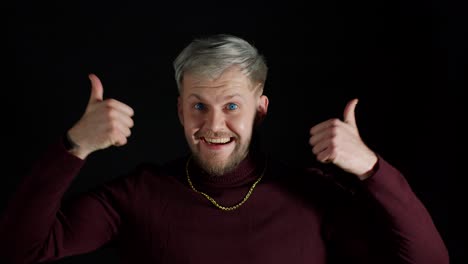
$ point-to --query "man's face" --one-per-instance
(218, 118)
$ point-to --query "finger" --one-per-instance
(120, 140)
(97, 91)
(127, 121)
(125, 131)
(334, 122)
(120, 128)
(324, 134)
(119, 134)
(349, 113)
(326, 156)
(322, 145)
(120, 106)
(123, 118)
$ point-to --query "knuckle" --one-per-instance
(312, 141)
(113, 127)
(334, 131)
(109, 103)
(117, 136)
(128, 132)
(333, 145)
(314, 150)
(335, 122)
(110, 113)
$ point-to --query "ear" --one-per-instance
(262, 108)
(180, 110)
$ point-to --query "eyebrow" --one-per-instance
(227, 97)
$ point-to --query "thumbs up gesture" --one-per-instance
(105, 123)
(338, 142)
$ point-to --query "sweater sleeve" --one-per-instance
(37, 227)
(415, 236)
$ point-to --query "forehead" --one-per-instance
(232, 80)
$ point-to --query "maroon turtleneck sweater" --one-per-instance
(153, 216)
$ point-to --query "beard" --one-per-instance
(217, 166)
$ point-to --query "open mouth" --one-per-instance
(218, 141)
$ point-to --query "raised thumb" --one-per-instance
(97, 91)
(349, 114)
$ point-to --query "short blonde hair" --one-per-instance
(211, 56)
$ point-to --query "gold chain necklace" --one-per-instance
(224, 208)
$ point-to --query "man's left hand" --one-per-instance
(338, 142)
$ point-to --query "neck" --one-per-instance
(247, 169)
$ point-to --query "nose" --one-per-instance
(215, 120)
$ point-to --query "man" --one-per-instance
(227, 202)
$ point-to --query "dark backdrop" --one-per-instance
(405, 60)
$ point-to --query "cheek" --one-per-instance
(241, 125)
(192, 122)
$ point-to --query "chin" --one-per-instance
(212, 166)
(217, 166)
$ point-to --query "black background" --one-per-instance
(404, 60)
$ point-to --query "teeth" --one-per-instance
(217, 140)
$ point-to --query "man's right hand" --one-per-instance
(105, 123)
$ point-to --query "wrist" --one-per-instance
(73, 148)
(79, 153)
(68, 143)
(369, 172)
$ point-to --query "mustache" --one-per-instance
(213, 134)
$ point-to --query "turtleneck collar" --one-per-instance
(248, 170)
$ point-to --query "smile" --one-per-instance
(224, 140)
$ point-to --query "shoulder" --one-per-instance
(151, 171)
(312, 182)
(148, 175)
(288, 176)
(283, 171)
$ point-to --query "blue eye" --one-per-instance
(232, 106)
(199, 106)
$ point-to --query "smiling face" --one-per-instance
(218, 118)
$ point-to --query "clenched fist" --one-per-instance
(105, 123)
(338, 142)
